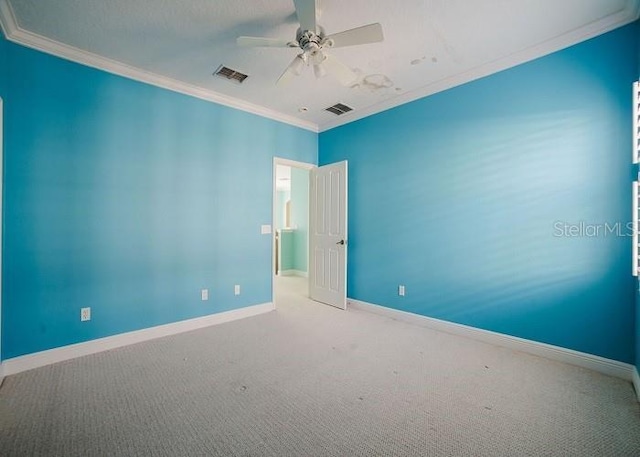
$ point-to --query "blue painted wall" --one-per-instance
(117, 196)
(129, 199)
(456, 196)
(637, 328)
(286, 250)
(3, 81)
(300, 217)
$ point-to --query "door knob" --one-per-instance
(340, 242)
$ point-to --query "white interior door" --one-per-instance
(328, 234)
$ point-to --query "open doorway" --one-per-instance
(310, 232)
(290, 268)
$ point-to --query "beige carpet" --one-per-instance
(310, 380)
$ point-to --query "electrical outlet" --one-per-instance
(401, 290)
(85, 314)
(204, 294)
(236, 289)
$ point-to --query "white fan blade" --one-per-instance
(294, 69)
(285, 78)
(260, 41)
(371, 33)
(338, 70)
(306, 11)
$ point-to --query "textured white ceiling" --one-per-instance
(429, 45)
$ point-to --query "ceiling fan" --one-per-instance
(313, 42)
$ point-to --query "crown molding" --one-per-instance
(625, 16)
(14, 33)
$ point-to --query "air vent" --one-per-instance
(230, 74)
(339, 109)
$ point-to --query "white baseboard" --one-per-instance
(593, 362)
(636, 382)
(39, 359)
(301, 274)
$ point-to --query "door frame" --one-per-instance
(293, 164)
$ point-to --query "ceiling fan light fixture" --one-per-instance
(311, 40)
(297, 65)
(319, 70)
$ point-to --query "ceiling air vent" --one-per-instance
(339, 109)
(230, 74)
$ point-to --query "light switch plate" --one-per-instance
(265, 229)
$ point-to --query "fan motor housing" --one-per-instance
(309, 40)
